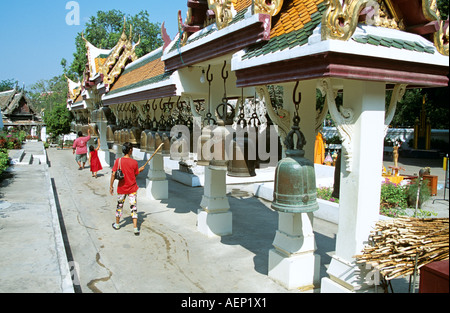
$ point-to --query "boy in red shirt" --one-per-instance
(127, 186)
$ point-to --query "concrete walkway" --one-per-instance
(41, 251)
(32, 254)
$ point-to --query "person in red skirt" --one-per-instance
(95, 163)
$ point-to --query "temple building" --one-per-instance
(219, 70)
(18, 112)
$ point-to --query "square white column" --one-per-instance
(157, 185)
(360, 188)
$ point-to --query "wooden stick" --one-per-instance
(156, 151)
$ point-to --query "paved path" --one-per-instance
(32, 254)
(169, 255)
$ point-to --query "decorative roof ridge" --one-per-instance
(8, 91)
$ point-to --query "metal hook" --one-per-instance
(207, 75)
(297, 102)
(224, 76)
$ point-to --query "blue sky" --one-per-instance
(35, 35)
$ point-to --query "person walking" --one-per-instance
(127, 186)
(94, 161)
(80, 148)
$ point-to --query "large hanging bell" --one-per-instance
(84, 130)
(165, 137)
(93, 130)
(241, 165)
(124, 135)
(295, 181)
(110, 135)
(134, 136)
(202, 153)
(150, 146)
(117, 137)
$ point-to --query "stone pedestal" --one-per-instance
(157, 185)
(292, 262)
(103, 153)
(215, 219)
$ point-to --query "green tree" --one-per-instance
(8, 84)
(48, 93)
(436, 107)
(104, 31)
(58, 120)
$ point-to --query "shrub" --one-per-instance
(4, 160)
(395, 199)
(325, 193)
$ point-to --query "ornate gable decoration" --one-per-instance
(108, 64)
(74, 90)
(341, 18)
(121, 54)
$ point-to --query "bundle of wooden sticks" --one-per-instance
(395, 245)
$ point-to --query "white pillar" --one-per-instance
(360, 187)
(215, 219)
(103, 153)
(292, 262)
(157, 185)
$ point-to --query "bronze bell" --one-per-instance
(158, 140)
(124, 135)
(143, 140)
(117, 137)
(84, 130)
(93, 130)
(150, 142)
(240, 165)
(203, 160)
(225, 115)
(166, 140)
(134, 135)
(110, 134)
(295, 180)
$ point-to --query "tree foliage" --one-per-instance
(58, 120)
(48, 93)
(104, 31)
(410, 107)
(8, 84)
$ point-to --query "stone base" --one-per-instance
(215, 224)
(299, 271)
(188, 179)
(330, 286)
(348, 277)
(106, 158)
(157, 189)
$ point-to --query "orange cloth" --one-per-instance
(319, 149)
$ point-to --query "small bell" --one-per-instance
(143, 140)
(134, 135)
(295, 180)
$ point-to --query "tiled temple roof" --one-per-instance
(292, 27)
(147, 70)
